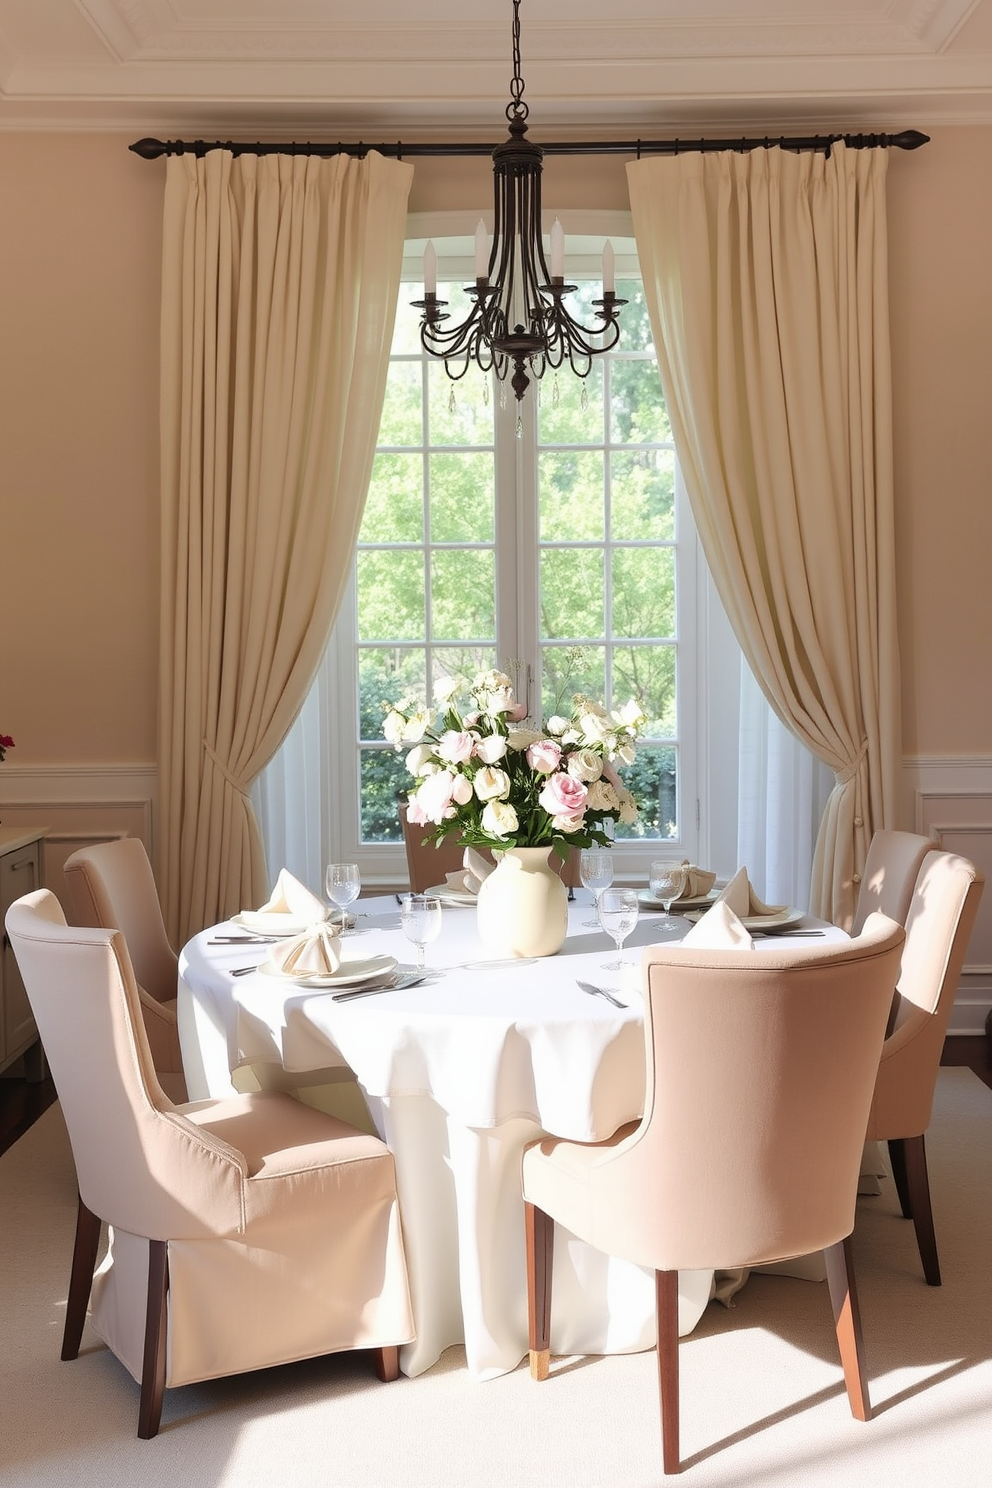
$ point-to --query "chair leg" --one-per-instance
(839, 1261)
(666, 1284)
(918, 1184)
(80, 1279)
(156, 1329)
(897, 1157)
(540, 1234)
(387, 1362)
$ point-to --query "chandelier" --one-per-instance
(518, 322)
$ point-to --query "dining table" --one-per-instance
(458, 1073)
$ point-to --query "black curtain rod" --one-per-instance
(908, 139)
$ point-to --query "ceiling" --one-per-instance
(426, 69)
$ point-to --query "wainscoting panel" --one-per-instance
(950, 800)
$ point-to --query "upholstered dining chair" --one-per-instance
(760, 1070)
(939, 923)
(889, 878)
(427, 865)
(245, 1232)
(111, 886)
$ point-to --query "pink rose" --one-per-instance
(544, 756)
(433, 798)
(563, 796)
(518, 711)
(455, 747)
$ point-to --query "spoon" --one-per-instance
(595, 991)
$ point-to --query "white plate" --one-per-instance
(348, 974)
(702, 901)
(452, 896)
(270, 924)
(762, 922)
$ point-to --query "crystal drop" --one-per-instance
(452, 405)
(584, 400)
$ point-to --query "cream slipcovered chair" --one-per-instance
(889, 877)
(112, 887)
(938, 925)
(246, 1232)
(760, 1069)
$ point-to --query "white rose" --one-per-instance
(419, 756)
(416, 727)
(627, 753)
(491, 748)
(628, 810)
(445, 688)
(584, 764)
(461, 791)
(393, 726)
(568, 823)
(595, 727)
(499, 819)
(557, 725)
(630, 715)
(602, 796)
(491, 784)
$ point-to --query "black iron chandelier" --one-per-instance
(518, 322)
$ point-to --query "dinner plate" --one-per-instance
(762, 922)
(271, 924)
(701, 901)
(349, 973)
(452, 896)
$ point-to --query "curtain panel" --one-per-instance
(280, 281)
(765, 274)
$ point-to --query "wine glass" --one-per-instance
(420, 918)
(617, 910)
(596, 872)
(667, 880)
(343, 883)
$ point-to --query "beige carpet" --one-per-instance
(762, 1400)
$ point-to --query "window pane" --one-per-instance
(651, 781)
(402, 411)
(458, 411)
(462, 498)
(575, 415)
(463, 600)
(385, 674)
(638, 411)
(644, 592)
(571, 499)
(390, 595)
(462, 661)
(647, 673)
(635, 322)
(394, 510)
(642, 495)
(571, 593)
(385, 783)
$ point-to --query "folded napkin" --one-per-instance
(290, 897)
(697, 882)
(741, 898)
(718, 929)
(315, 953)
(468, 878)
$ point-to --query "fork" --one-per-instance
(412, 980)
(595, 991)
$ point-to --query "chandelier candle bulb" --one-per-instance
(430, 269)
(481, 251)
(609, 268)
(557, 250)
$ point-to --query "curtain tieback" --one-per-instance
(848, 773)
(232, 780)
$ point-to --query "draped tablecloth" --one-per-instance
(458, 1075)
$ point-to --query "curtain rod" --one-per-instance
(908, 139)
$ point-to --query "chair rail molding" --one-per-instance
(949, 799)
(78, 805)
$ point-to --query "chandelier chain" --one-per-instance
(516, 108)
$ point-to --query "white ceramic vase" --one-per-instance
(523, 905)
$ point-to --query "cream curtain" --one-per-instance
(766, 278)
(280, 280)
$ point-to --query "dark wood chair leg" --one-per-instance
(918, 1184)
(387, 1362)
(666, 1287)
(897, 1157)
(80, 1279)
(847, 1319)
(156, 1329)
(540, 1234)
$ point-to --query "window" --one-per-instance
(549, 538)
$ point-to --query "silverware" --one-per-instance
(785, 930)
(595, 991)
(394, 986)
(242, 940)
(243, 970)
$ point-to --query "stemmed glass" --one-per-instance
(617, 910)
(667, 881)
(343, 883)
(596, 873)
(420, 918)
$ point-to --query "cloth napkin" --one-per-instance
(697, 882)
(718, 929)
(290, 897)
(468, 878)
(315, 953)
(741, 898)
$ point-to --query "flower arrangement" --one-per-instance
(484, 773)
(6, 742)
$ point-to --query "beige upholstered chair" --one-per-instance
(246, 1232)
(760, 1068)
(112, 887)
(893, 861)
(938, 926)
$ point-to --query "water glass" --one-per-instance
(343, 883)
(596, 873)
(420, 918)
(667, 881)
(617, 910)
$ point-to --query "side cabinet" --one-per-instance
(20, 872)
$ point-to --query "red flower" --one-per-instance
(6, 742)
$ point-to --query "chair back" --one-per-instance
(140, 1164)
(889, 878)
(760, 1070)
(112, 887)
(426, 864)
(938, 927)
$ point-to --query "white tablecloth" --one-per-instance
(458, 1075)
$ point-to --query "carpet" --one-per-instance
(762, 1397)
